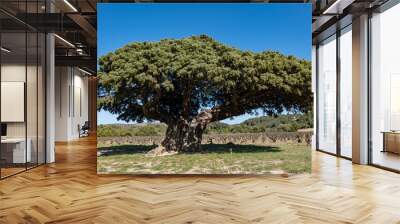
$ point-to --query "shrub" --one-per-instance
(146, 131)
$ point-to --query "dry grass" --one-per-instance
(214, 159)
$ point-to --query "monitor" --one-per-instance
(3, 129)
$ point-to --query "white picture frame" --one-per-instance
(12, 101)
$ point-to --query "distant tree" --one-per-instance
(146, 131)
(189, 83)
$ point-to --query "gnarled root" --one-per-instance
(160, 151)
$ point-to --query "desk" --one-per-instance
(13, 150)
(391, 141)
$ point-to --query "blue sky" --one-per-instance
(248, 26)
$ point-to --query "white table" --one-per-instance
(19, 155)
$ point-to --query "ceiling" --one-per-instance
(75, 21)
(330, 13)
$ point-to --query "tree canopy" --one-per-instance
(188, 83)
(178, 78)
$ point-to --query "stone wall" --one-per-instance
(240, 139)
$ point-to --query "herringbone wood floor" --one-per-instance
(69, 191)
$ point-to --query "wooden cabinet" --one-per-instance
(391, 142)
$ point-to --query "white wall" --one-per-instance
(80, 115)
(62, 81)
(13, 101)
(71, 87)
(33, 125)
(14, 72)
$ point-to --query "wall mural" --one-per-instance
(182, 94)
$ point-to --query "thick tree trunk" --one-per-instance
(184, 136)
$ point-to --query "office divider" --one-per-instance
(22, 77)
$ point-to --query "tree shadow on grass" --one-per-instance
(232, 148)
(124, 149)
(206, 148)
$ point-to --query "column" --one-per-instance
(360, 90)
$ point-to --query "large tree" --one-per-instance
(188, 83)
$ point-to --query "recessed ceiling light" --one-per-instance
(5, 50)
(64, 40)
(337, 7)
(86, 72)
(333, 6)
(79, 51)
(70, 5)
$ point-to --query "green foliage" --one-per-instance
(281, 123)
(121, 130)
(285, 123)
(147, 131)
(174, 79)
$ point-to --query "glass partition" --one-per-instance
(385, 89)
(22, 101)
(14, 153)
(327, 95)
(31, 97)
(41, 96)
(346, 92)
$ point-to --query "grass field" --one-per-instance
(214, 159)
